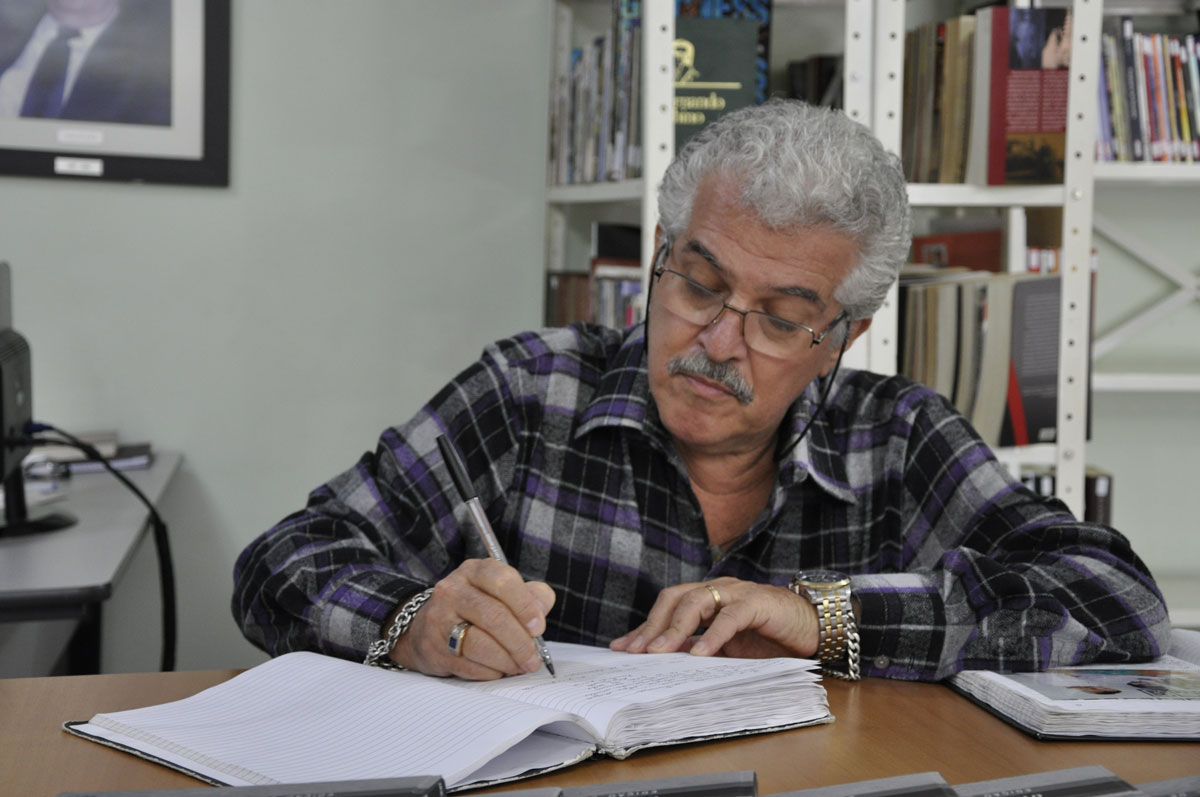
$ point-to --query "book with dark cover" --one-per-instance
(1031, 409)
(757, 10)
(1137, 136)
(715, 70)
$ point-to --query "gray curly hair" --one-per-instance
(802, 166)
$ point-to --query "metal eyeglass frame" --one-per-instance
(817, 339)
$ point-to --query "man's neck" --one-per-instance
(732, 488)
(720, 473)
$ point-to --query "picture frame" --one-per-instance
(176, 133)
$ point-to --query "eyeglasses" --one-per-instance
(765, 333)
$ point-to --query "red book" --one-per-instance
(1019, 96)
(976, 249)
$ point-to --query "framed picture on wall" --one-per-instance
(129, 90)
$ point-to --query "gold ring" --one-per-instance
(458, 637)
(716, 595)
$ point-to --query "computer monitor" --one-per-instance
(16, 410)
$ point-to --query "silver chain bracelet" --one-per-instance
(377, 654)
(852, 656)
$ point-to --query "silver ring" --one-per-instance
(458, 636)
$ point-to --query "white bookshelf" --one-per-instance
(576, 21)
(873, 45)
(874, 56)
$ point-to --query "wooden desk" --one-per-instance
(883, 728)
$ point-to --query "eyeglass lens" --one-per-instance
(698, 304)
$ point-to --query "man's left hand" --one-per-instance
(744, 620)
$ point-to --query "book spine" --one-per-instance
(1183, 77)
(998, 102)
(1184, 81)
(1152, 97)
(1116, 98)
(1104, 116)
(1132, 104)
(1192, 57)
(1176, 105)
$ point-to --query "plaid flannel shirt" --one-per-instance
(956, 565)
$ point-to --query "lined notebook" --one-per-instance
(307, 717)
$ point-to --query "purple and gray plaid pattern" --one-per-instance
(956, 565)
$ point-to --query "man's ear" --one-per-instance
(856, 328)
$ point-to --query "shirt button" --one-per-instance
(882, 662)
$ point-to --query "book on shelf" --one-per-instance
(1031, 405)
(568, 297)
(1086, 781)
(715, 70)
(816, 80)
(1018, 96)
(615, 274)
(1153, 700)
(615, 240)
(955, 97)
(594, 119)
(989, 343)
(279, 721)
(1150, 105)
(758, 11)
(616, 293)
(980, 249)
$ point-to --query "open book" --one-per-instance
(307, 717)
(1153, 700)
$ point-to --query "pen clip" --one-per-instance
(458, 471)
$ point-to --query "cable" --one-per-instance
(166, 571)
(824, 395)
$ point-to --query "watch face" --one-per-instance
(822, 578)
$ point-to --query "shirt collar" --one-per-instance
(623, 398)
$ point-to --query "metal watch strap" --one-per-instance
(837, 631)
(377, 654)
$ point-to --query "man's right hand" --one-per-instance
(505, 613)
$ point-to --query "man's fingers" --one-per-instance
(695, 607)
(504, 613)
(527, 602)
(675, 616)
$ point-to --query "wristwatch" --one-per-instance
(837, 633)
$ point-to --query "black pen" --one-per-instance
(458, 472)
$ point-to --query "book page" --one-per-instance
(306, 717)
(634, 699)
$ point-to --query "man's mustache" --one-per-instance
(699, 364)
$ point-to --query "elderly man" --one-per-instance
(694, 482)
